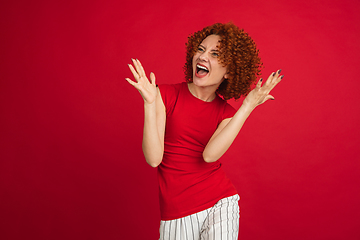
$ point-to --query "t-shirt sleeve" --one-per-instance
(168, 93)
(229, 111)
(163, 91)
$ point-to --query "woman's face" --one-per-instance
(207, 70)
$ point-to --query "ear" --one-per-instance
(226, 76)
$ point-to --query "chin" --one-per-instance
(198, 82)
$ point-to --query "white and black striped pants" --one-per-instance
(220, 222)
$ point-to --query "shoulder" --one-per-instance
(165, 88)
(170, 92)
(228, 111)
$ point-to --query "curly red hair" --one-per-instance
(237, 51)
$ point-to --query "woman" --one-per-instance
(188, 127)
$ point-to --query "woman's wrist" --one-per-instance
(149, 105)
(248, 107)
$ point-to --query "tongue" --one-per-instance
(202, 72)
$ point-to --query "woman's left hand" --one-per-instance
(260, 94)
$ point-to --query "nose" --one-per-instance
(203, 56)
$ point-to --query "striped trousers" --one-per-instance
(220, 222)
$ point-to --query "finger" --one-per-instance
(133, 71)
(268, 97)
(138, 68)
(152, 78)
(258, 85)
(273, 78)
(277, 80)
(268, 80)
(141, 69)
(130, 81)
(277, 73)
(271, 86)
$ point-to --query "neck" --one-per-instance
(202, 93)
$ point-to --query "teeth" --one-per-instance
(202, 67)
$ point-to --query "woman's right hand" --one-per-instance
(147, 89)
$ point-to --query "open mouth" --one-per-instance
(201, 71)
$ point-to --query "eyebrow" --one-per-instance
(213, 50)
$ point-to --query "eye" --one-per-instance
(200, 49)
(215, 54)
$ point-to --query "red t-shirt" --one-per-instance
(187, 183)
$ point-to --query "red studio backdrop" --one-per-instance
(71, 164)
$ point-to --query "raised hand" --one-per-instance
(147, 89)
(260, 94)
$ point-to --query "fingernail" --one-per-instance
(261, 79)
(279, 71)
(282, 77)
(274, 73)
(272, 98)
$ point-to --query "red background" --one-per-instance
(70, 137)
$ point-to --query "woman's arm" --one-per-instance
(155, 117)
(229, 128)
(154, 130)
